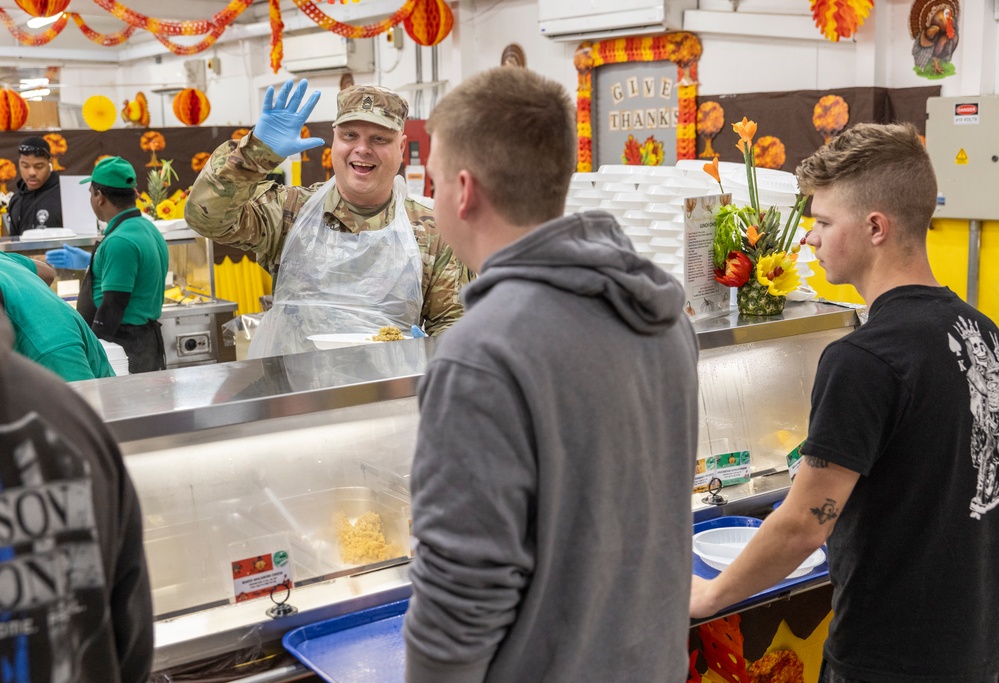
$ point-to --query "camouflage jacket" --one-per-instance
(232, 203)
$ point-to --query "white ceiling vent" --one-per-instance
(574, 20)
(324, 51)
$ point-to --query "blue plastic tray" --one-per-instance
(363, 647)
(785, 587)
(367, 646)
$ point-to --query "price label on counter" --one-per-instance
(794, 461)
(258, 575)
(731, 468)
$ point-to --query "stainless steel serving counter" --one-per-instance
(15, 244)
(187, 399)
(211, 446)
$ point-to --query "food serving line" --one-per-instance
(191, 321)
(229, 458)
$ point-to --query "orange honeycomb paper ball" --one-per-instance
(43, 8)
(430, 22)
(13, 110)
(191, 107)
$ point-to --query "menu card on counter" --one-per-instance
(262, 572)
(703, 294)
(729, 468)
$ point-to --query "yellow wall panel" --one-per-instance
(947, 246)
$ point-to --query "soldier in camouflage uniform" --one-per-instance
(231, 201)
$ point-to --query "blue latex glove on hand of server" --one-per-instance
(281, 121)
(69, 257)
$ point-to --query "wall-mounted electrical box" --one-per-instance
(962, 138)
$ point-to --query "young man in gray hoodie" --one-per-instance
(551, 481)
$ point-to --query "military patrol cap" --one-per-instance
(113, 172)
(371, 103)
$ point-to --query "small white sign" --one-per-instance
(966, 114)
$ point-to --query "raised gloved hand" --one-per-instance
(69, 257)
(281, 121)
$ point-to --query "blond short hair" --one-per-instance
(515, 131)
(878, 167)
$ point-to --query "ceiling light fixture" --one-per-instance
(39, 22)
(28, 83)
(35, 94)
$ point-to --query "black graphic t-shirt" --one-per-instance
(910, 400)
(75, 605)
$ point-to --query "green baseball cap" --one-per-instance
(371, 103)
(113, 172)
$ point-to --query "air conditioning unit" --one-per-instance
(319, 51)
(575, 20)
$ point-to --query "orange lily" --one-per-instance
(753, 235)
(712, 170)
(746, 130)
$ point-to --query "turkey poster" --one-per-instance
(934, 31)
(635, 114)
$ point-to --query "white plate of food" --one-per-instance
(342, 340)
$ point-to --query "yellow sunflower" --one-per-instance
(777, 273)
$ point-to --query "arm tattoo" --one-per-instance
(827, 512)
(817, 463)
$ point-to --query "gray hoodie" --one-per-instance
(551, 482)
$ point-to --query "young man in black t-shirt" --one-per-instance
(903, 441)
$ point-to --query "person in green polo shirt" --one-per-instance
(47, 330)
(121, 296)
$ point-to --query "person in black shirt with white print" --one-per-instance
(903, 442)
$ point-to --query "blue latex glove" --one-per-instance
(417, 332)
(281, 121)
(69, 257)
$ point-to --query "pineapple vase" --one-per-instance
(754, 299)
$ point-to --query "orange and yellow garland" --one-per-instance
(328, 23)
(681, 48)
(433, 24)
(277, 29)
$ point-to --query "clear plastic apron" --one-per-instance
(333, 282)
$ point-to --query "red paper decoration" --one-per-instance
(13, 110)
(191, 106)
(430, 22)
(840, 18)
(43, 8)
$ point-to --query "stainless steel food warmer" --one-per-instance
(227, 456)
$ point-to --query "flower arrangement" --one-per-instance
(752, 250)
(157, 201)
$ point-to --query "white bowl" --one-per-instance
(717, 548)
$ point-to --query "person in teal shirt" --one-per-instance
(121, 296)
(46, 329)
